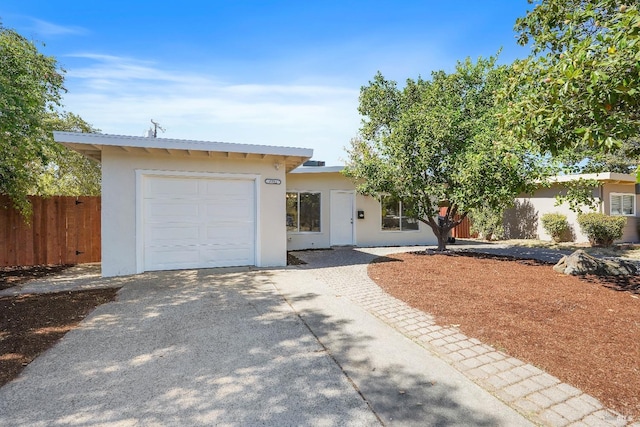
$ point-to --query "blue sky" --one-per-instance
(260, 72)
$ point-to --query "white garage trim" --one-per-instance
(142, 174)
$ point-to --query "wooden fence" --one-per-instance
(462, 230)
(62, 230)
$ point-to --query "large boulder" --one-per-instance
(580, 263)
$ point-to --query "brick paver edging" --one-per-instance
(541, 397)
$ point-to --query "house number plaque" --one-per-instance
(273, 181)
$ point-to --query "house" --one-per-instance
(178, 204)
(324, 210)
(174, 204)
(615, 194)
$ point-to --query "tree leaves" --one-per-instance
(31, 85)
(67, 172)
(439, 140)
(579, 86)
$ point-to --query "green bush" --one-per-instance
(487, 223)
(557, 226)
(602, 229)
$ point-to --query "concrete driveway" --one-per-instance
(241, 347)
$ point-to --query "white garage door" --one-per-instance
(198, 222)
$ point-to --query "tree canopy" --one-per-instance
(580, 87)
(437, 143)
(67, 172)
(31, 86)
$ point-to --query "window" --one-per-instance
(303, 212)
(393, 217)
(622, 204)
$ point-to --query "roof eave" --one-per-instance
(91, 145)
(606, 177)
(318, 169)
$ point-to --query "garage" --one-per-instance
(171, 204)
(195, 222)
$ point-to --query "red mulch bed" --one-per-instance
(585, 331)
(12, 276)
(31, 323)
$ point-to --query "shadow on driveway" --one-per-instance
(219, 347)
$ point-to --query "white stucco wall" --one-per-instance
(368, 231)
(316, 182)
(119, 202)
(631, 229)
(530, 208)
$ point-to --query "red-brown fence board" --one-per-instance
(62, 230)
(71, 223)
(462, 230)
(4, 233)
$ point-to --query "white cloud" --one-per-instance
(45, 28)
(120, 95)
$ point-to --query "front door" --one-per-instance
(342, 206)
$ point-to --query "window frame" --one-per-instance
(622, 195)
(401, 217)
(298, 193)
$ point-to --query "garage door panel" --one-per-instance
(198, 223)
(168, 258)
(231, 188)
(172, 211)
(226, 257)
(230, 210)
(172, 258)
(172, 187)
(225, 233)
(175, 234)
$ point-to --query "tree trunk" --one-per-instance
(442, 242)
(443, 225)
(441, 231)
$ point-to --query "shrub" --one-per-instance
(557, 226)
(487, 223)
(602, 229)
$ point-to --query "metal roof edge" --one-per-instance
(318, 169)
(99, 139)
(601, 176)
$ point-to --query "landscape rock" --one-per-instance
(580, 263)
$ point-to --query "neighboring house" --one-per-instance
(172, 204)
(616, 195)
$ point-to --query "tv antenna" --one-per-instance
(156, 126)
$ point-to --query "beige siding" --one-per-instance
(631, 229)
(316, 182)
(119, 243)
(368, 231)
(523, 221)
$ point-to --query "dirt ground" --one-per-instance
(12, 276)
(31, 323)
(585, 331)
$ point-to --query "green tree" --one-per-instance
(437, 142)
(488, 223)
(580, 87)
(624, 159)
(67, 172)
(30, 89)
